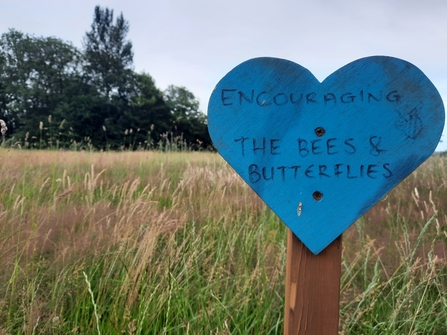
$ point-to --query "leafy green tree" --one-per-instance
(83, 112)
(188, 121)
(149, 113)
(109, 68)
(108, 55)
(50, 91)
(35, 74)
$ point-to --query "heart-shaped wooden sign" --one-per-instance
(321, 154)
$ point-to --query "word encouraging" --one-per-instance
(232, 96)
(321, 154)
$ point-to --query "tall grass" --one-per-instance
(176, 243)
(56, 138)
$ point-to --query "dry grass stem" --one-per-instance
(177, 243)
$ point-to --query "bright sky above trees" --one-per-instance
(195, 43)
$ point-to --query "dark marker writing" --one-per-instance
(374, 141)
(322, 169)
(242, 140)
(331, 146)
(226, 96)
(232, 96)
(257, 173)
(243, 97)
(351, 149)
(308, 172)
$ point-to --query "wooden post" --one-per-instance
(312, 289)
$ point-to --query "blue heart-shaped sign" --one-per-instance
(321, 154)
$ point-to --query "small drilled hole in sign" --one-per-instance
(320, 131)
(317, 195)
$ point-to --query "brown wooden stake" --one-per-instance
(312, 289)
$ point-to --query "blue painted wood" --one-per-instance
(322, 154)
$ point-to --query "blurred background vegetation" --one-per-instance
(54, 95)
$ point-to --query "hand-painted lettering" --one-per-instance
(225, 96)
(280, 99)
(350, 147)
(242, 140)
(261, 100)
(253, 173)
(273, 147)
(309, 150)
(257, 148)
(309, 172)
(287, 174)
(283, 172)
(347, 98)
(375, 141)
(229, 96)
(244, 97)
(330, 146)
(330, 97)
(371, 172)
(310, 97)
(322, 169)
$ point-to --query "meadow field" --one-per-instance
(175, 243)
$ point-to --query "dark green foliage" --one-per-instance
(53, 95)
(189, 122)
(36, 77)
(149, 112)
(108, 56)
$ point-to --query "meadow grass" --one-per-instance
(176, 243)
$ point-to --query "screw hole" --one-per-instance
(317, 195)
(320, 131)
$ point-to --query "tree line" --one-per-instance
(52, 93)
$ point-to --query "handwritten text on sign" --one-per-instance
(307, 147)
(330, 149)
(232, 96)
(331, 146)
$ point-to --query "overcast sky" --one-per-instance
(194, 43)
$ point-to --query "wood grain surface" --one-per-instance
(312, 289)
